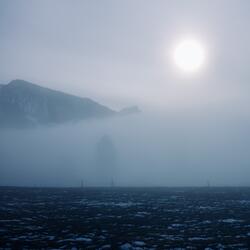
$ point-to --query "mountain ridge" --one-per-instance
(25, 104)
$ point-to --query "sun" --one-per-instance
(189, 55)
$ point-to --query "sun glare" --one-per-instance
(189, 55)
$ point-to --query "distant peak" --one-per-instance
(17, 81)
(130, 110)
(20, 82)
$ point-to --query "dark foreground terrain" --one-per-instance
(125, 218)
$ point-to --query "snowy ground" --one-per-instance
(125, 218)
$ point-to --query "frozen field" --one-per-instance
(125, 218)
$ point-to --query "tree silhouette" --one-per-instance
(105, 160)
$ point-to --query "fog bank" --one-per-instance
(167, 149)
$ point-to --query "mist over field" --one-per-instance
(150, 150)
(124, 124)
(193, 128)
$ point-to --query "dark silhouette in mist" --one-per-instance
(105, 157)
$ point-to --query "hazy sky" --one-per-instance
(119, 52)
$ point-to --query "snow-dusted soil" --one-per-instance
(125, 218)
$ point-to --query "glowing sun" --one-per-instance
(189, 55)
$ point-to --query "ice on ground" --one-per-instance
(231, 221)
(126, 246)
(111, 203)
(177, 225)
(14, 220)
(247, 202)
(88, 240)
(206, 222)
(142, 214)
(171, 237)
(139, 243)
(65, 240)
(51, 237)
(199, 238)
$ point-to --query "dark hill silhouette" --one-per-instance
(25, 104)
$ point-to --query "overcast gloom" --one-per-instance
(124, 124)
(186, 128)
(120, 52)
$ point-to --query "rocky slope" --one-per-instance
(25, 104)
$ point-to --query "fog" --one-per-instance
(192, 130)
(151, 150)
(119, 52)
